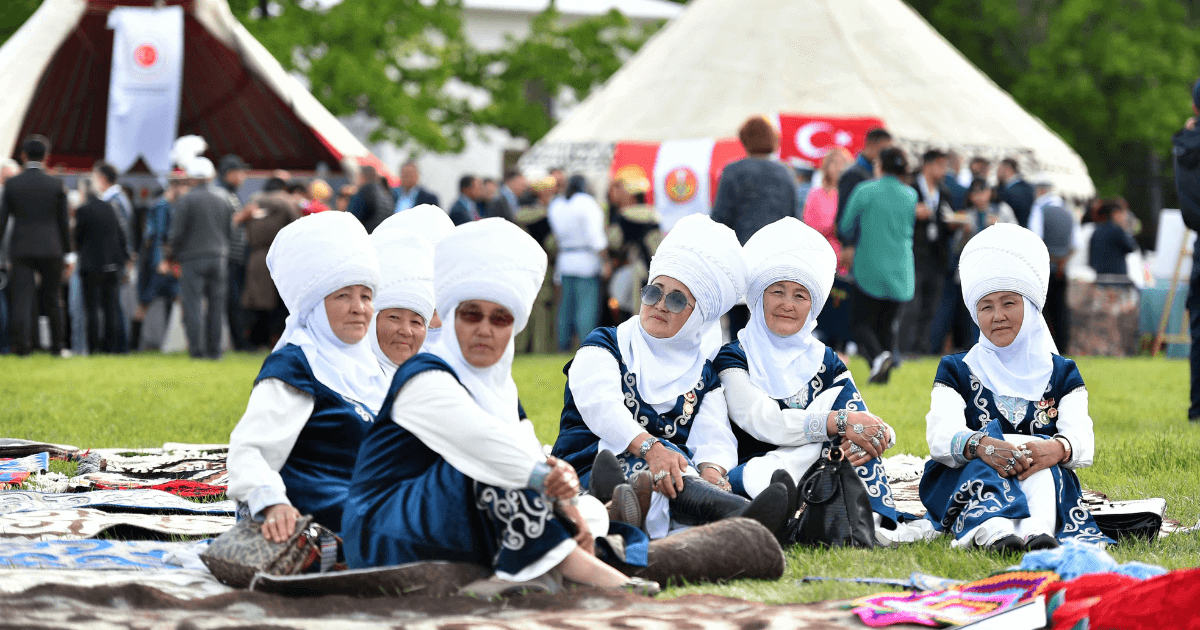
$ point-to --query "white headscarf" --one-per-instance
(310, 259)
(495, 261)
(404, 243)
(785, 250)
(707, 258)
(1008, 257)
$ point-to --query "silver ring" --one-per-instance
(854, 448)
(875, 441)
(660, 475)
(1012, 462)
(270, 520)
(858, 428)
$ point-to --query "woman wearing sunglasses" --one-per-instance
(646, 391)
(404, 303)
(294, 449)
(450, 471)
(789, 394)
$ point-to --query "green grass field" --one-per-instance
(1145, 446)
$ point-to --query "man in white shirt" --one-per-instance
(578, 225)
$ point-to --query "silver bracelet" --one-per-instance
(537, 479)
(841, 421)
(646, 446)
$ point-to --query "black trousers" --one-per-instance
(739, 317)
(917, 317)
(102, 298)
(24, 285)
(1193, 306)
(1057, 313)
(874, 323)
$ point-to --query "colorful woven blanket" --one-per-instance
(970, 602)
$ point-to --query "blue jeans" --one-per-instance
(75, 305)
(579, 309)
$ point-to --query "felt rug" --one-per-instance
(91, 554)
(14, 472)
(136, 501)
(960, 605)
(12, 447)
(177, 584)
(87, 523)
(137, 606)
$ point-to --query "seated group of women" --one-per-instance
(408, 438)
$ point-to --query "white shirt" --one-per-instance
(946, 419)
(595, 382)
(578, 226)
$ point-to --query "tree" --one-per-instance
(14, 13)
(555, 61)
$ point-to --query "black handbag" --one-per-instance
(836, 507)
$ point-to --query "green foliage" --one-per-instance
(1145, 446)
(1112, 77)
(14, 13)
(554, 60)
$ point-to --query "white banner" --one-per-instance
(681, 179)
(145, 87)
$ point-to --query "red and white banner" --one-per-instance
(684, 174)
(145, 86)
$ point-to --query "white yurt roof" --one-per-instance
(724, 60)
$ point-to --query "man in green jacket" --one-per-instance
(881, 215)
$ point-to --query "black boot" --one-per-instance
(793, 502)
(701, 502)
(606, 475)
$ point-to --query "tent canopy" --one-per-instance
(722, 61)
(56, 71)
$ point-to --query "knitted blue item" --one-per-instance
(1073, 559)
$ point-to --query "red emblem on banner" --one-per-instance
(145, 55)
(681, 185)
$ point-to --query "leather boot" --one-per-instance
(643, 486)
(624, 507)
(732, 549)
(793, 502)
(606, 475)
(701, 502)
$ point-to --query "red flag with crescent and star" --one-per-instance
(811, 137)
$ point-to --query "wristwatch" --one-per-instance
(841, 421)
(1066, 447)
(646, 445)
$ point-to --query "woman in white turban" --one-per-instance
(789, 394)
(293, 451)
(647, 392)
(404, 303)
(450, 471)
(1008, 421)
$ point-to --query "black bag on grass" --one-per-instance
(836, 509)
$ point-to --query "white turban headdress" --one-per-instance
(1007, 257)
(707, 258)
(495, 261)
(404, 243)
(785, 250)
(310, 259)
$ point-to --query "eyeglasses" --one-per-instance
(676, 301)
(499, 319)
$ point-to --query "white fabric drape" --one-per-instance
(145, 86)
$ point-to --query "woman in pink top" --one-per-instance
(820, 209)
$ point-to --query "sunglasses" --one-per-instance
(497, 319)
(676, 301)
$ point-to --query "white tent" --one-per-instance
(55, 72)
(724, 60)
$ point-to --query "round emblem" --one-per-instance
(631, 172)
(145, 55)
(681, 185)
(689, 396)
(688, 408)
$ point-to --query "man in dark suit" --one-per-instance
(863, 170)
(371, 204)
(508, 199)
(466, 209)
(410, 194)
(100, 241)
(931, 254)
(40, 239)
(1014, 191)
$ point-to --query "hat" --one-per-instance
(320, 190)
(318, 254)
(177, 175)
(201, 168)
(404, 243)
(635, 185)
(1005, 257)
(544, 183)
(706, 257)
(232, 162)
(492, 260)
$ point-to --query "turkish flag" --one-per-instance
(811, 137)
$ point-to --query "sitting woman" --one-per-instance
(646, 390)
(404, 244)
(1008, 421)
(293, 451)
(788, 394)
(449, 472)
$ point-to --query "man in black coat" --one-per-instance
(100, 241)
(1185, 149)
(466, 208)
(410, 194)
(371, 204)
(508, 200)
(931, 255)
(1014, 191)
(41, 238)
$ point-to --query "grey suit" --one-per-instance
(201, 229)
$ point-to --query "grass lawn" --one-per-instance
(1145, 446)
